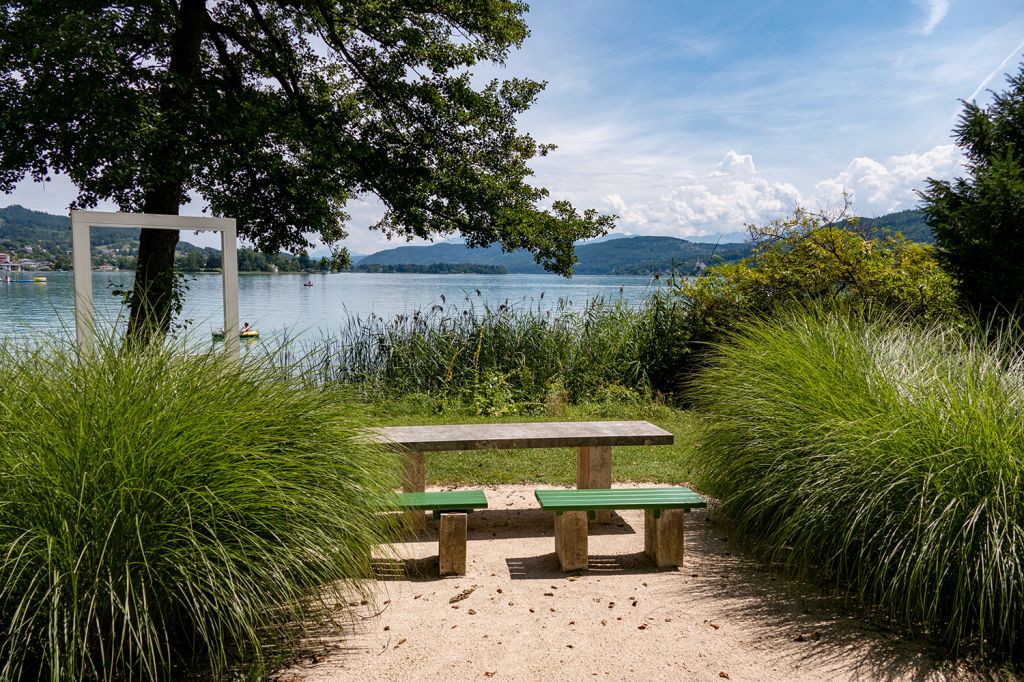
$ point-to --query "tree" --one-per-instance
(978, 221)
(803, 259)
(279, 112)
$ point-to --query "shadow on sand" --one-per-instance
(828, 623)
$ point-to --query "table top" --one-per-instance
(521, 435)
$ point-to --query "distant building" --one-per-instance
(24, 265)
(5, 258)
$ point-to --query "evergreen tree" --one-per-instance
(978, 221)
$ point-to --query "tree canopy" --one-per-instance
(978, 221)
(281, 112)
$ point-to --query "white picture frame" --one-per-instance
(81, 253)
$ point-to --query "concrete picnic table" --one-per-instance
(593, 442)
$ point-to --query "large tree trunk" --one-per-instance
(153, 296)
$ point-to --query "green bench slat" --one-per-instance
(462, 500)
(618, 498)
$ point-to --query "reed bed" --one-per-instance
(465, 354)
(164, 513)
(884, 456)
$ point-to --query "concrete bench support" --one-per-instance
(571, 540)
(594, 470)
(413, 481)
(451, 543)
(663, 537)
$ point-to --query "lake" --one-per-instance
(279, 305)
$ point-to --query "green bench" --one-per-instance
(449, 508)
(663, 520)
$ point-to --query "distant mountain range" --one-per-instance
(622, 255)
(41, 235)
(625, 256)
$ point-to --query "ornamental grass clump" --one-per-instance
(883, 455)
(162, 513)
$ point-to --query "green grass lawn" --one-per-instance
(650, 464)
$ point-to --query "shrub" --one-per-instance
(807, 258)
(888, 456)
(163, 512)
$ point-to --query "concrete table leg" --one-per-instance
(451, 544)
(663, 537)
(571, 540)
(413, 481)
(594, 470)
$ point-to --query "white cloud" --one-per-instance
(734, 163)
(731, 196)
(735, 194)
(878, 188)
(936, 11)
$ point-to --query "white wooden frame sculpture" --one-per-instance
(81, 221)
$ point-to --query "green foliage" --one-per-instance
(496, 360)
(804, 258)
(799, 259)
(666, 338)
(278, 113)
(163, 511)
(979, 220)
(882, 455)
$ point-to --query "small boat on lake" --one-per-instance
(218, 334)
(308, 283)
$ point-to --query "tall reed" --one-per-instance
(452, 352)
(162, 511)
(887, 456)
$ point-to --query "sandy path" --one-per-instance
(721, 616)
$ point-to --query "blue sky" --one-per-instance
(694, 118)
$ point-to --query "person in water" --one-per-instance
(246, 327)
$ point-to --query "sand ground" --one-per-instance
(722, 615)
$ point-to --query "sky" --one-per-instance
(693, 119)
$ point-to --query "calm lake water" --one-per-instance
(279, 305)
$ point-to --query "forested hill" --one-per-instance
(20, 226)
(624, 256)
(46, 238)
(910, 223)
